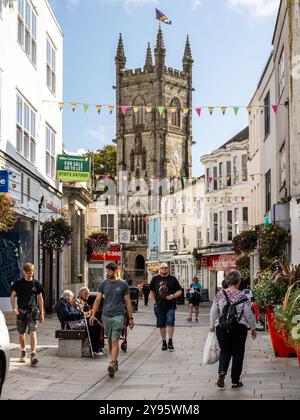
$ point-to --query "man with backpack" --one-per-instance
(231, 316)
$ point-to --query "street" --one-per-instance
(147, 373)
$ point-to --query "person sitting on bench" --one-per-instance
(69, 316)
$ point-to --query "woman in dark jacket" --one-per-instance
(65, 311)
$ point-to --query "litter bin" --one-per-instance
(181, 299)
(134, 296)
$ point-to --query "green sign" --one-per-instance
(73, 168)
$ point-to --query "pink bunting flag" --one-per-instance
(198, 110)
(124, 109)
(210, 179)
(243, 198)
(275, 108)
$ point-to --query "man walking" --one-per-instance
(164, 290)
(114, 292)
(146, 291)
(30, 309)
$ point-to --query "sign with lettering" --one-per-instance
(113, 254)
(223, 262)
(73, 168)
(4, 181)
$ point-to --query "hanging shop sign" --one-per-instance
(223, 262)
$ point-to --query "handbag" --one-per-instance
(211, 352)
(76, 325)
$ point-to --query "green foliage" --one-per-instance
(56, 235)
(285, 317)
(273, 240)
(7, 214)
(98, 243)
(267, 292)
(245, 243)
(105, 161)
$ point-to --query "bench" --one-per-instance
(72, 343)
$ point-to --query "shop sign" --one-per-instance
(4, 181)
(223, 262)
(73, 168)
(204, 261)
(113, 254)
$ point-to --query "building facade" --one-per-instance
(151, 146)
(227, 203)
(31, 72)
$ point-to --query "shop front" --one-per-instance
(185, 270)
(98, 263)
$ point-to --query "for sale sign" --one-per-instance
(73, 168)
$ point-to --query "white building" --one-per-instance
(227, 202)
(31, 73)
(182, 229)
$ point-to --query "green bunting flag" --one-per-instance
(161, 110)
(85, 107)
(236, 109)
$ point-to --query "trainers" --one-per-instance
(112, 368)
(98, 353)
(23, 356)
(164, 346)
(189, 320)
(33, 359)
(221, 381)
(170, 345)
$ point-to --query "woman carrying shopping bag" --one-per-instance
(231, 317)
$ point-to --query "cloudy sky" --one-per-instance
(230, 40)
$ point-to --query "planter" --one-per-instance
(279, 342)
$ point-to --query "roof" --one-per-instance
(238, 138)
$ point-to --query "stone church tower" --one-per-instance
(149, 145)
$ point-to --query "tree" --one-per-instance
(7, 214)
(105, 162)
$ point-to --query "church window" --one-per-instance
(176, 116)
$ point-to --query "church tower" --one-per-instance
(150, 145)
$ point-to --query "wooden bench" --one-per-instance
(72, 343)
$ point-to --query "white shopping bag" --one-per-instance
(211, 353)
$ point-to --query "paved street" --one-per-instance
(147, 373)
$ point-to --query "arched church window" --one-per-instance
(176, 116)
(131, 161)
(138, 144)
(139, 115)
(144, 159)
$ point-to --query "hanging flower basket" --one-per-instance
(273, 240)
(56, 235)
(7, 214)
(245, 243)
(97, 243)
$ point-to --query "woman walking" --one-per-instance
(231, 316)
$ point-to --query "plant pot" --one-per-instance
(297, 349)
(279, 342)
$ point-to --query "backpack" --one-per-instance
(229, 320)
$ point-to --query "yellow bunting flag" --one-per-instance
(211, 109)
(249, 109)
(73, 106)
(148, 109)
(136, 109)
(185, 111)
(261, 108)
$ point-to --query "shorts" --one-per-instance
(26, 323)
(164, 317)
(195, 300)
(113, 326)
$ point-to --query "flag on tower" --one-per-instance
(162, 17)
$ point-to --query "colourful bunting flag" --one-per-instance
(99, 108)
(236, 109)
(61, 105)
(223, 109)
(124, 109)
(111, 109)
(73, 106)
(262, 109)
(136, 109)
(275, 108)
(148, 109)
(85, 107)
(185, 111)
(243, 198)
(249, 109)
(210, 179)
(161, 110)
(198, 110)
(173, 109)
(211, 109)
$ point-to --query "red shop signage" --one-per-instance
(114, 254)
(204, 261)
(223, 262)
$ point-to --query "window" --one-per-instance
(51, 67)
(245, 168)
(215, 173)
(281, 75)
(184, 241)
(245, 214)
(208, 180)
(216, 227)
(174, 234)
(28, 189)
(268, 191)
(108, 225)
(267, 114)
(176, 115)
(221, 232)
(229, 225)
(166, 239)
(199, 239)
(208, 229)
(50, 152)
(198, 209)
(26, 129)
(0, 8)
(27, 29)
(236, 222)
(228, 174)
(221, 175)
(235, 170)
(282, 166)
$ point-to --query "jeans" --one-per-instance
(232, 345)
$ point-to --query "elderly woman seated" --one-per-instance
(69, 317)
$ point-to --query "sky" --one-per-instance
(231, 41)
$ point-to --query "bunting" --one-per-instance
(111, 109)
(61, 105)
(236, 109)
(85, 107)
(124, 109)
(198, 110)
(223, 109)
(161, 110)
(73, 106)
(211, 109)
(99, 108)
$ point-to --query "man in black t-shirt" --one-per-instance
(30, 309)
(164, 290)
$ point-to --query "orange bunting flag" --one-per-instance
(73, 106)
(99, 108)
(211, 109)
(111, 109)
(61, 105)
(124, 109)
(223, 109)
